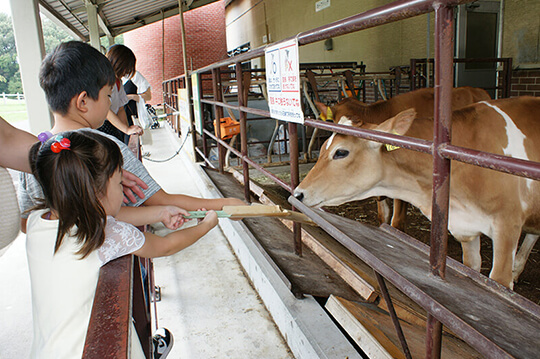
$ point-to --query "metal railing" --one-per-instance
(440, 148)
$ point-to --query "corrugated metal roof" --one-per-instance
(116, 16)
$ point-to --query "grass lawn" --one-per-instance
(13, 111)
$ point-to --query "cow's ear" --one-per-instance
(398, 124)
(323, 109)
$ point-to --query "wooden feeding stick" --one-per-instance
(238, 212)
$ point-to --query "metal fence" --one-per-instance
(440, 148)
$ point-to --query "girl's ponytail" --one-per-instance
(74, 178)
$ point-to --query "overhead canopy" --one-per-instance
(114, 16)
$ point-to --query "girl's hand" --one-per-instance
(173, 217)
(133, 97)
(211, 219)
(134, 130)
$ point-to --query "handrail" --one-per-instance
(440, 148)
(108, 330)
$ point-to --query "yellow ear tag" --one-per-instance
(392, 147)
(328, 116)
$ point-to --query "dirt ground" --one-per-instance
(419, 227)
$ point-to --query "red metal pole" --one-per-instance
(444, 31)
(295, 180)
(243, 128)
(218, 111)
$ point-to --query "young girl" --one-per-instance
(73, 233)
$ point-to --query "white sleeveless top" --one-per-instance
(63, 285)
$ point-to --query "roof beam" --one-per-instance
(103, 24)
(54, 16)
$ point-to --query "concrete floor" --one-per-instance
(207, 302)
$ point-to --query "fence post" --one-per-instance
(444, 27)
(242, 101)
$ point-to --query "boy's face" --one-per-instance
(99, 108)
(113, 199)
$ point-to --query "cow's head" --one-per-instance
(350, 168)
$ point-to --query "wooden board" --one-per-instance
(259, 210)
(371, 328)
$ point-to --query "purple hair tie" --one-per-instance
(44, 136)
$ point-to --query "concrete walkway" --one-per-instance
(207, 301)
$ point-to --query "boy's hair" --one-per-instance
(122, 59)
(73, 183)
(71, 68)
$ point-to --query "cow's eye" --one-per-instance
(340, 154)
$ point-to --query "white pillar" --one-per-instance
(93, 25)
(31, 50)
(111, 40)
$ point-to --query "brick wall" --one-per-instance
(205, 44)
(525, 83)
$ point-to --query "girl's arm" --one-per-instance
(172, 217)
(120, 122)
(146, 96)
(156, 246)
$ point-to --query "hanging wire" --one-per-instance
(147, 156)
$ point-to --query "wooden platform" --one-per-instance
(307, 274)
(472, 306)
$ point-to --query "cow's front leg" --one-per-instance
(471, 251)
(383, 210)
(504, 250)
(523, 254)
(399, 216)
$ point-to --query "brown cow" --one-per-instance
(422, 100)
(496, 204)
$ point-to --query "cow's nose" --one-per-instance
(299, 196)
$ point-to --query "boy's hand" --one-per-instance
(173, 217)
(211, 218)
(135, 130)
(132, 184)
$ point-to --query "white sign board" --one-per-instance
(283, 82)
(185, 124)
(197, 112)
(183, 105)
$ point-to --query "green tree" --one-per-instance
(53, 35)
(10, 76)
(9, 66)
